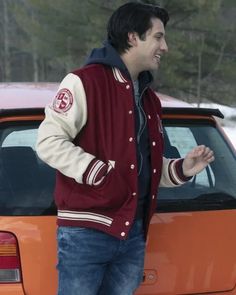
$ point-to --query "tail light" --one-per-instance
(9, 259)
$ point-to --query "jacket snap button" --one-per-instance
(132, 166)
(130, 112)
(131, 139)
(153, 143)
(127, 223)
(122, 234)
(153, 197)
(154, 170)
(127, 87)
(149, 117)
(134, 194)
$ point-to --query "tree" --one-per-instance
(198, 64)
(6, 41)
(44, 40)
(60, 33)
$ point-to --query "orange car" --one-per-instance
(191, 246)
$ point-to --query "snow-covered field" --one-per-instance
(228, 124)
(231, 132)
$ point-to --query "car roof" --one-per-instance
(37, 95)
(169, 101)
(26, 95)
(31, 98)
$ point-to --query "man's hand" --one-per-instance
(196, 160)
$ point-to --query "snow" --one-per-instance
(231, 133)
(228, 123)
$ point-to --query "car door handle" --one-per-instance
(149, 276)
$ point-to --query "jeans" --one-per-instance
(91, 262)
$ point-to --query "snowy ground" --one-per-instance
(228, 123)
(231, 132)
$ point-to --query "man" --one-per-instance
(103, 134)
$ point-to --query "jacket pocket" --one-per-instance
(110, 194)
(114, 190)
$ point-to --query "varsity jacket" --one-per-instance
(88, 135)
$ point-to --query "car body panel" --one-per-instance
(191, 252)
(11, 289)
(182, 264)
(37, 245)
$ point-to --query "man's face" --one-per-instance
(152, 47)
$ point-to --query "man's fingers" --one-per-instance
(208, 154)
(197, 151)
(202, 151)
(210, 157)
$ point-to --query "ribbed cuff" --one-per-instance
(95, 172)
(179, 169)
(176, 172)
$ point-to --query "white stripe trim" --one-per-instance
(97, 172)
(99, 181)
(84, 212)
(114, 73)
(118, 75)
(93, 171)
(84, 216)
(174, 173)
(122, 79)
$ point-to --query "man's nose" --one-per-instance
(164, 46)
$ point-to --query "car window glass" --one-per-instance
(26, 182)
(213, 188)
(183, 139)
(26, 137)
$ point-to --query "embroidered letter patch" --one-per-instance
(63, 101)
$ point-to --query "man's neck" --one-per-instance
(130, 63)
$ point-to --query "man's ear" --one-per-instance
(132, 38)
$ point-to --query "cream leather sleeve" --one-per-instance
(63, 121)
(171, 174)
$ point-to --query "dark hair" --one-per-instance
(132, 17)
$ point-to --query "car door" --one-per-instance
(191, 242)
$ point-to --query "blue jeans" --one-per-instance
(91, 262)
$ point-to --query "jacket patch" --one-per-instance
(63, 101)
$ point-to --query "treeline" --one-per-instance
(42, 40)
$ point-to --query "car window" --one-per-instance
(212, 189)
(183, 139)
(26, 182)
(25, 137)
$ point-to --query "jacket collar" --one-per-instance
(144, 79)
(118, 75)
(109, 56)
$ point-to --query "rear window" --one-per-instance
(212, 189)
(26, 183)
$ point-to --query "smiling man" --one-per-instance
(103, 134)
(146, 50)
